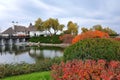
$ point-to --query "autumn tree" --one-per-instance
(72, 28)
(51, 25)
(100, 28)
(38, 24)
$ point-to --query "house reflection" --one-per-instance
(12, 49)
(28, 54)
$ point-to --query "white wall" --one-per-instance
(5, 35)
(37, 33)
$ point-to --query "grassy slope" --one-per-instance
(32, 76)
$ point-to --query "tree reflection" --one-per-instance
(36, 53)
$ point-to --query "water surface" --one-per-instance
(18, 54)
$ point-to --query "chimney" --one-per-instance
(30, 25)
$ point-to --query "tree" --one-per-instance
(84, 29)
(66, 32)
(52, 24)
(72, 28)
(109, 31)
(100, 28)
(106, 29)
(97, 27)
(38, 24)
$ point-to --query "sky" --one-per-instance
(86, 13)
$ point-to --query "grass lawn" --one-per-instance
(32, 76)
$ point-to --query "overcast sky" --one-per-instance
(85, 13)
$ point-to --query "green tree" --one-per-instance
(84, 29)
(66, 32)
(100, 28)
(72, 28)
(109, 31)
(97, 27)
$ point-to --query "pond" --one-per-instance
(19, 54)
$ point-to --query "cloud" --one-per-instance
(85, 22)
(84, 12)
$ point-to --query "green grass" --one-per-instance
(32, 76)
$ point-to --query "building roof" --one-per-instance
(19, 28)
(31, 28)
(9, 31)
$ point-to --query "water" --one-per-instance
(18, 54)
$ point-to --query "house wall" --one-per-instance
(4, 35)
(8, 35)
(21, 34)
(36, 33)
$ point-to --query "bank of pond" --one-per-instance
(25, 68)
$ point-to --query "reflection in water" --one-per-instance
(17, 54)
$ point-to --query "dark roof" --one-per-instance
(19, 28)
(9, 31)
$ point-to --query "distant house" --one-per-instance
(34, 32)
(15, 31)
(8, 32)
(18, 30)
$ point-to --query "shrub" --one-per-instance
(97, 48)
(86, 70)
(23, 68)
(90, 34)
(66, 38)
(46, 39)
(117, 39)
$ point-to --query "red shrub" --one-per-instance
(66, 38)
(87, 70)
(90, 34)
(118, 39)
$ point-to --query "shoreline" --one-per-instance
(63, 45)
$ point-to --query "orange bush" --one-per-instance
(90, 34)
